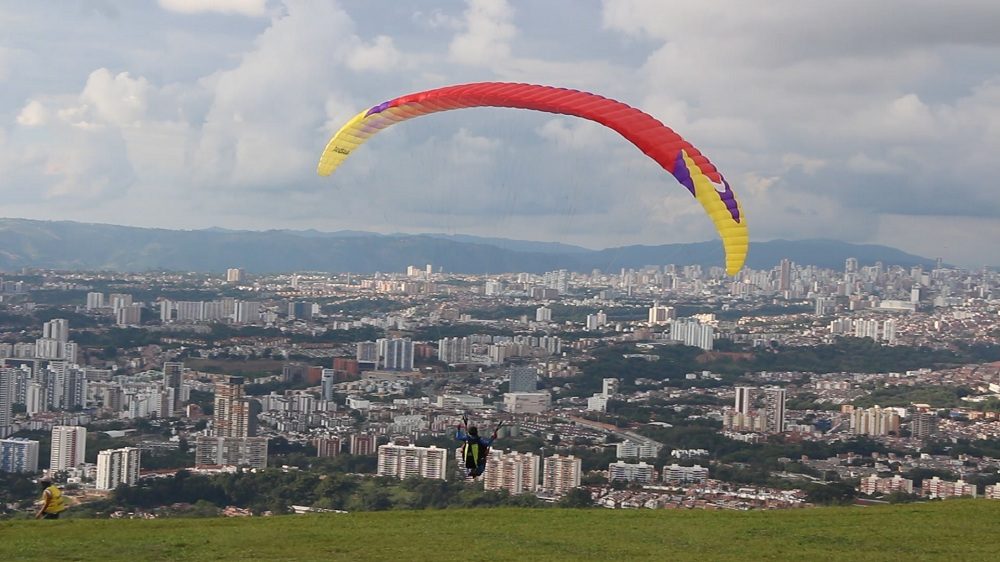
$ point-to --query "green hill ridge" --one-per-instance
(949, 530)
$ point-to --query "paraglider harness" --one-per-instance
(474, 451)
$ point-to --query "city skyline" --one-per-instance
(874, 127)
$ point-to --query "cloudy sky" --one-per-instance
(871, 122)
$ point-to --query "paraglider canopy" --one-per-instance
(674, 154)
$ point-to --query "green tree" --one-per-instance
(576, 498)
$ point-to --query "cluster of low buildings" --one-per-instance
(707, 494)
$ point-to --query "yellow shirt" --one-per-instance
(56, 504)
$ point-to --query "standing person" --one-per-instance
(52, 501)
(475, 449)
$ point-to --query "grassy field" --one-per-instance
(952, 530)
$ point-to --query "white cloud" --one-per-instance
(825, 118)
(33, 114)
(118, 100)
(488, 30)
(808, 165)
(380, 55)
(574, 133)
(251, 8)
(865, 164)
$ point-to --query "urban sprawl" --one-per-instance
(660, 387)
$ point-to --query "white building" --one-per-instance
(395, 354)
(95, 300)
(677, 473)
(660, 315)
(874, 421)
(561, 474)
(454, 350)
(543, 314)
(357, 403)
(408, 461)
(247, 312)
(597, 403)
(609, 387)
(631, 450)
(875, 485)
(515, 472)
(18, 455)
(69, 446)
(691, 332)
(943, 489)
(129, 315)
(116, 467)
(526, 402)
(460, 401)
(231, 451)
(8, 384)
(638, 472)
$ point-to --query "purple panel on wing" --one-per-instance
(379, 108)
(682, 173)
(729, 199)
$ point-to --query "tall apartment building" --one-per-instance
(609, 386)
(679, 474)
(69, 446)
(628, 449)
(543, 314)
(774, 410)
(756, 410)
(454, 350)
(561, 474)
(629, 472)
(744, 399)
(235, 415)
(116, 467)
(992, 492)
(18, 455)
(234, 275)
(660, 315)
(8, 388)
(785, 275)
(298, 310)
(326, 382)
(923, 424)
(523, 379)
(526, 402)
(54, 343)
(362, 444)
(129, 315)
(943, 489)
(328, 446)
(407, 461)
(518, 473)
(95, 301)
(875, 485)
(874, 421)
(367, 352)
(395, 354)
(172, 379)
(231, 451)
(247, 312)
(119, 300)
(691, 332)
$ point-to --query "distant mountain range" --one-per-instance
(83, 246)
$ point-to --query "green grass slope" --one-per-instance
(951, 530)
